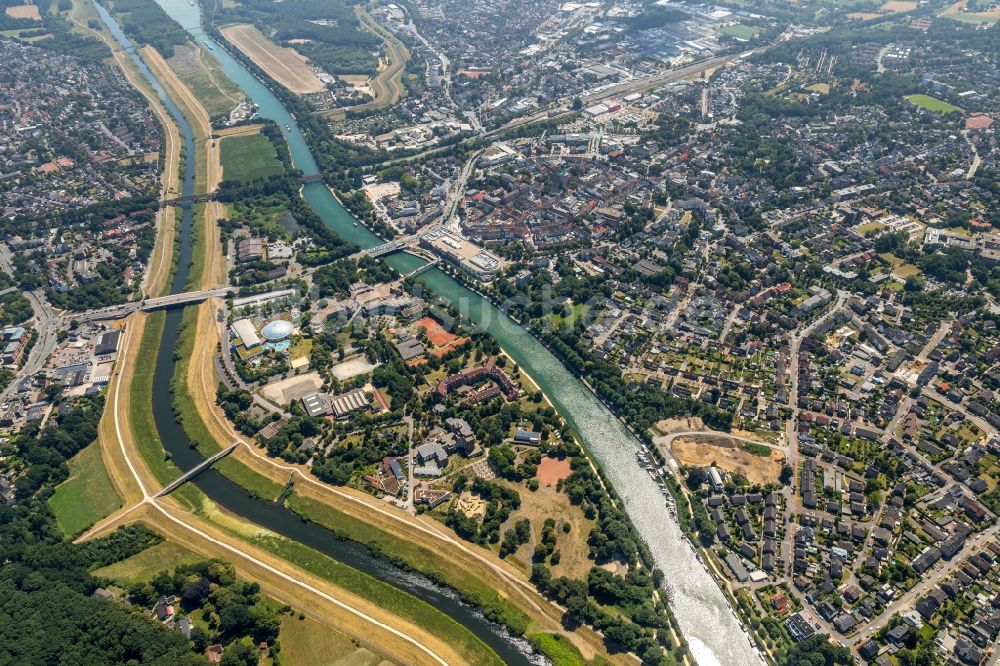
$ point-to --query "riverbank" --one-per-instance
(503, 593)
(699, 605)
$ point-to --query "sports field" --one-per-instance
(247, 157)
(286, 66)
(932, 103)
(739, 31)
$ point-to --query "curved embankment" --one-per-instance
(356, 616)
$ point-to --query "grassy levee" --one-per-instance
(140, 421)
(199, 249)
(87, 495)
(204, 76)
(186, 410)
(385, 596)
(411, 555)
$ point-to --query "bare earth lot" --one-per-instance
(284, 65)
(24, 12)
(730, 455)
(288, 390)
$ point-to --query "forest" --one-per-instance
(339, 45)
(145, 22)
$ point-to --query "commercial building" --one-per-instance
(349, 402)
(245, 331)
(472, 259)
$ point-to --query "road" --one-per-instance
(976, 159)
(933, 577)
(409, 462)
(46, 328)
(120, 311)
(458, 190)
(791, 425)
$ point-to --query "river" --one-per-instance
(712, 631)
(271, 515)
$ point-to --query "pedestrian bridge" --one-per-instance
(196, 470)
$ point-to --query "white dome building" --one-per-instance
(279, 329)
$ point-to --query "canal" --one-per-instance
(271, 515)
(708, 624)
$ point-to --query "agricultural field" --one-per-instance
(932, 103)
(87, 495)
(286, 66)
(248, 157)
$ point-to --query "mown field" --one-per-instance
(87, 495)
(247, 157)
(143, 566)
(932, 104)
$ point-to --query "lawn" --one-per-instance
(739, 31)
(247, 157)
(87, 495)
(143, 566)
(932, 103)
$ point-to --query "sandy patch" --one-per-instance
(552, 470)
(285, 391)
(358, 365)
(729, 455)
(24, 12)
(899, 6)
(667, 426)
(286, 66)
(376, 191)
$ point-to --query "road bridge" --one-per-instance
(187, 200)
(150, 304)
(196, 470)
